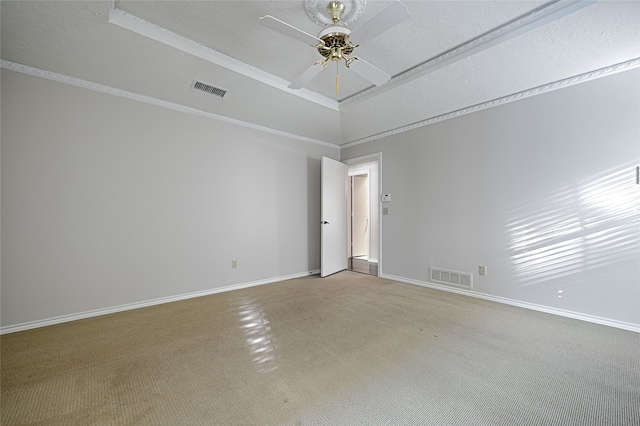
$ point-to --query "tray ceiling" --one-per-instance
(448, 56)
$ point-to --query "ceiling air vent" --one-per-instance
(208, 89)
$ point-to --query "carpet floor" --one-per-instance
(350, 349)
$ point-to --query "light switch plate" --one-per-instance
(386, 198)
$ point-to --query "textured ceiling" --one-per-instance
(157, 49)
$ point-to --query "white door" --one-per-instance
(333, 217)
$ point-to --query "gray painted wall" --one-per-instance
(542, 191)
(108, 202)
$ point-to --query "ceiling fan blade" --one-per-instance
(368, 71)
(306, 76)
(289, 30)
(389, 17)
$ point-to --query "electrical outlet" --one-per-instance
(234, 264)
(482, 270)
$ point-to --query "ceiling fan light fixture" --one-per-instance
(333, 41)
(336, 54)
(335, 45)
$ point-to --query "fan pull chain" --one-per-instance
(337, 79)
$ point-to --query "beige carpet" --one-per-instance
(348, 349)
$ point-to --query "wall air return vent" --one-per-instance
(457, 279)
(209, 89)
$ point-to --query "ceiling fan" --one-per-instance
(334, 41)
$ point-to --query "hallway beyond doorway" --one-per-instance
(361, 264)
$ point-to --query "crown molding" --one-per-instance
(581, 78)
(25, 69)
(163, 35)
(534, 19)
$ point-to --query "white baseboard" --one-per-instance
(105, 311)
(129, 306)
(561, 312)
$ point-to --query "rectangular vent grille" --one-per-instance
(458, 279)
(209, 89)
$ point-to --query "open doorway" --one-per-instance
(363, 219)
(360, 216)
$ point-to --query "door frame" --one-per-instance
(363, 159)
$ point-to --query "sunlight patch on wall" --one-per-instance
(579, 227)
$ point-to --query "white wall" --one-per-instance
(108, 202)
(542, 191)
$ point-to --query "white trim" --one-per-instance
(377, 156)
(163, 35)
(555, 311)
(543, 15)
(129, 306)
(581, 78)
(25, 69)
(534, 19)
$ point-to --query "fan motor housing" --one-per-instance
(336, 42)
(334, 29)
